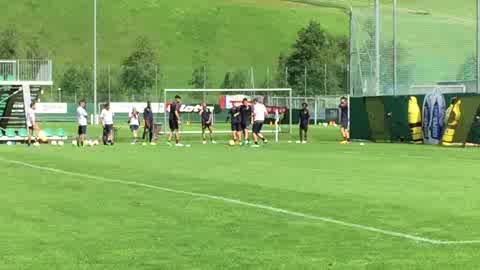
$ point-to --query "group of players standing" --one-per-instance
(241, 117)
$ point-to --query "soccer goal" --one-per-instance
(220, 101)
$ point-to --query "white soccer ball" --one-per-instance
(362, 144)
(289, 141)
(53, 143)
(9, 143)
(95, 142)
(231, 142)
(188, 145)
(36, 144)
(325, 124)
(74, 143)
(60, 143)
(298, 142)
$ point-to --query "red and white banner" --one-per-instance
(126, 107)
(54, 108)
(186, 108)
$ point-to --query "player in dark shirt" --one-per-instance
(304, 119)
(344, 121)
(148, 123)
(246, 119)
(207, 121)
(236, 122)
(174, 120)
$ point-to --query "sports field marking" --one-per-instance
(243, 203)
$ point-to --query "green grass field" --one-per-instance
(283, 206)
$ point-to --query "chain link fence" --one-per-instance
(431, 45)
(141, 83)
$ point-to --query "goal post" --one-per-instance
(201, 96)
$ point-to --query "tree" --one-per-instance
(139, 68)
(9, 43)
(227, 81)
(33, 49)
(200, 74)
(313, 49)
(468, 70)
(236, 79)
(76, 82)
(280, 78)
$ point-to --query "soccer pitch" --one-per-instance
(282, 206)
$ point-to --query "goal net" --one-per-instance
(221, 101)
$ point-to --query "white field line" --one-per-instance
(248, 204)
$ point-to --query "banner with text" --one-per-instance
(54, 108)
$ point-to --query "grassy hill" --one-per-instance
(234, 33)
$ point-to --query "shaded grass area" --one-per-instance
(50, 220)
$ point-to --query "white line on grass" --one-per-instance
(243, 203)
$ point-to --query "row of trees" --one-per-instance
(140, 74)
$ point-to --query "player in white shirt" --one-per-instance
(107, 121)
(82, 122)
(259, 115)
(134, 122)
(31, 122)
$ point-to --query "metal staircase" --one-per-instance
(14, 104)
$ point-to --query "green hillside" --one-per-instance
(234, 33)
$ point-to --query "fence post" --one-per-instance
(305, 83)
(377, 46)
(394, 47)
(325, 80)
(478, 46)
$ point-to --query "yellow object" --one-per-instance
(454, 117)
(42, 137)
(415, 120)
(188, 123)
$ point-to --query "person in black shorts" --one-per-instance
(174, 120)
(236, 122)
(148, 124)
(246, 116)
(207, 121)
(344, 121)
(304, 117)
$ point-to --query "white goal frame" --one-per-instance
(251, 90)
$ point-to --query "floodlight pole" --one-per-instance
(478, 46)
(377, 46)
(395, 5)
(95, 59)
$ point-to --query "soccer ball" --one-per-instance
(53, 143)
(95, 142)
(60, 143)
(74, 143)
(231, 142)
(9, 143)
(37, 144)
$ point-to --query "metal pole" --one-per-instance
(305, 83)
(165, 109)
(95, 59)
(350, 71)
(394, 47)
(156, 83)
(286, 75)
(290, 111)
(325, 80)
(377, 46)
(109, 85)
(204, 82)
(478, 46)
